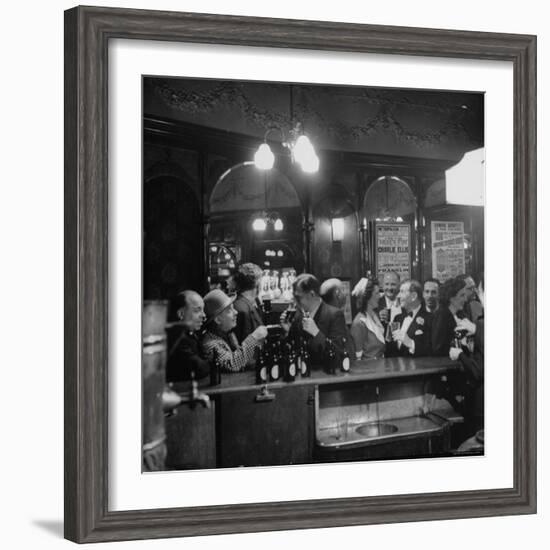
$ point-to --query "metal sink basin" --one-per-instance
(376, 429)
(375, 433)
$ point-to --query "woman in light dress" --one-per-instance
(367, 330)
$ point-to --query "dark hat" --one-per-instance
(215, 302)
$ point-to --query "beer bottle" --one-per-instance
(290, 364)
(330, 357)
(345, 363)
(261, 368)
(283, 361)
(215, 369)
(297, 355)
(274, 371)
(305, 367)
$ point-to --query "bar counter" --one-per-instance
(361, 370)
(282, 423)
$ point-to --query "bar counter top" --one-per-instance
(361, 370)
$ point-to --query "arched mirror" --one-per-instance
(389, 198)
(252, 214)
(389, 214)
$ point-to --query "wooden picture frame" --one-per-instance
(87, 34)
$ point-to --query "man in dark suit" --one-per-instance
(431, 294)
(315, 319)
(184, 359)
(413, 337)
(249, 316)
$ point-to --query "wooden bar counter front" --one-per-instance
(381, 409)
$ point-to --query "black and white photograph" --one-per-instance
(249, 252)
(312, 273)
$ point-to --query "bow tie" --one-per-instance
(410, 314)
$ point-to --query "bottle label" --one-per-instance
(304, 367)
(345, 364)
(292, 369)
(263, 374)
(275, 371)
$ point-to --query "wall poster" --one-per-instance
(393, 249)
(448, 257)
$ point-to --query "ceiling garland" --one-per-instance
(455, 115)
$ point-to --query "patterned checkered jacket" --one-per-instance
(232, 356)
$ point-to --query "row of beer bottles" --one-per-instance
(336, 356)
(275, 360)
(284, 359)
(289, 359)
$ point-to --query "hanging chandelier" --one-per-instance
(300, 148)
(265, 219)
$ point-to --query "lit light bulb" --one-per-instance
(310, 164)
(264, 158)
(258, 224)
(278, 226)
(399, 219)
(280, 253)
(302, 149)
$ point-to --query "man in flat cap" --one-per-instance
(219, 339)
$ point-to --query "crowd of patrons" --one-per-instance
(394, 318)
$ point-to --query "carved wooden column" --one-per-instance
(418, 230)
(422, 186)
(205, 251)
(365, 256)
(307, 229)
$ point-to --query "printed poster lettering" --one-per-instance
(393, 249)
(448, 258)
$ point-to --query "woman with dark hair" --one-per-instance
(447, 318)
(366, 330)
(246, 280)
